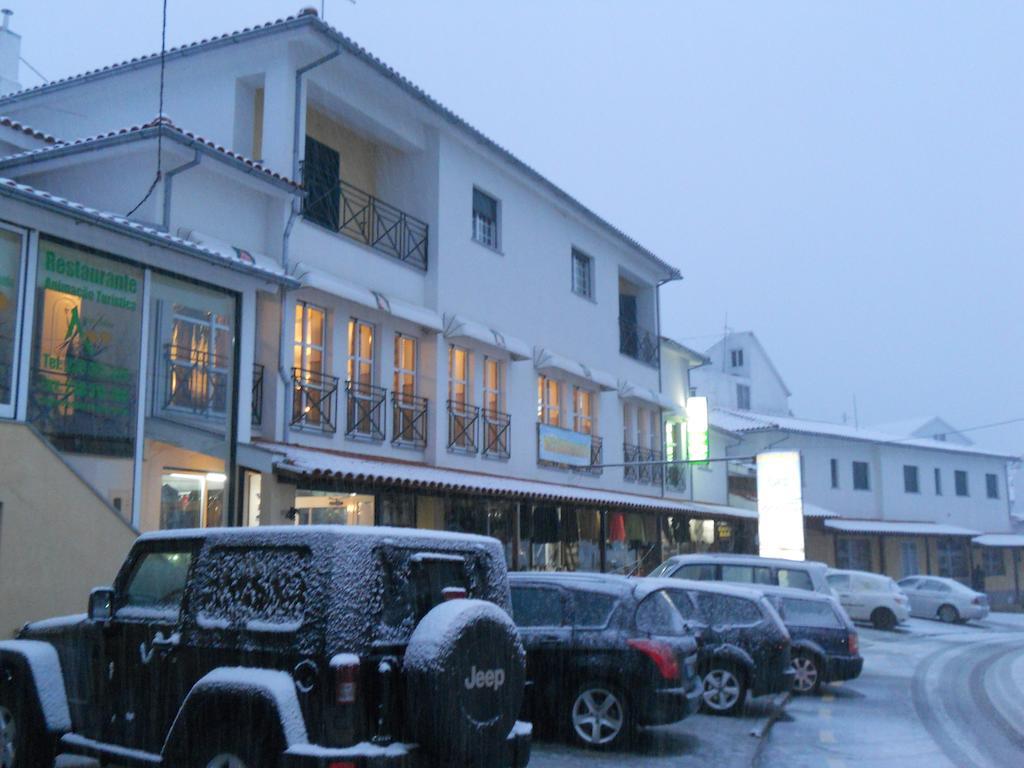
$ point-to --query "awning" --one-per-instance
(905, 529)
(320, 465)
(545, 359)
(459, 326)
(229, 251)
(816, 512)
(630, 391)
(999, 540)
(336, 286)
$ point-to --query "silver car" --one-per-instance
(935, 597)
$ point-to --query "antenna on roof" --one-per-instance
(160, 116)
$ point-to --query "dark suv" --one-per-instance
(315, 646)
(745, 647)
(603, 656)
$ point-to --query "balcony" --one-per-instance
(343, 208)
(257, 395)
(596, 455)
(409, 420)
(462, 427)
(640, 466)
(497, 427)
(314, 400)
(638, 342)
(365, 412)
(195, 382)
(675, 477)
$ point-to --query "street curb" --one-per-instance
(762, 729)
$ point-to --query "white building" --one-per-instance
(908, 498)
(436, 334)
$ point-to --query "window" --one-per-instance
(911, 484)
(993, 561)
(405, 365)
(952, 558)
(198, 359)
(409, 409)
(683, 603)
(494, 385)
(933, 585)
(11, 260)
(853, 554)
(360, 353)
(191, 499)
(582, 411)
(794, 579)
(736, 357)
(833, 467)
(727, 610)
(838, 581)
(549, 399)
(861, 478)
(485, 219)
(364, 400)
(582, 274)
(458, 375)
(746, 574)
(308, 361)
(992, 486)
(657, 615)
(938, 481)
(696, 572)
(960, 483)
(462, 415)
(908, 558)
(158, 580)
(537, 607)
(592, 609)
(810, 613)
(743, 397)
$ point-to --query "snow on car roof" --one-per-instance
(646, 585)
(796, 594)
(291, 532)
(604, 582)
(745, 560)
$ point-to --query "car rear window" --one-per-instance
(810, 613)
(656, 615)
(592, 609)
(747, 574)
(416, 582)
(537, 607)
(727, 609)
(796, 579)
(254, 588)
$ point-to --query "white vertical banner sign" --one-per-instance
(780, 506)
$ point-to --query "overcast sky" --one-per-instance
(843, 178)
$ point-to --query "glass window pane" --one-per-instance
(10, 269)
(536, 607)
(158, 581)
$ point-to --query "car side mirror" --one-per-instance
(101, 604)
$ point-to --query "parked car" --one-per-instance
(298, 646)
(934, 597)
(747, 569)
(824, 644)
(744, 645)
(870, 597)
(603, 656)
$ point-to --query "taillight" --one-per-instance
(854, 644)
(661, 654)
(453, 593)
(346, 672)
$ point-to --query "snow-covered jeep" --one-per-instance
(296, 646)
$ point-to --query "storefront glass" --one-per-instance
(11, 250)
(633, 543)
(333, 508)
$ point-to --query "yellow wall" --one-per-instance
(58, 539)
(358, 157)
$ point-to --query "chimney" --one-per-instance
(10, 56)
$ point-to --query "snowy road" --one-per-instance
(935, 695)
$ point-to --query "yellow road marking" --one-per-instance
(827, 737)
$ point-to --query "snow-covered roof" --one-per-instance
(923, 427)
(317, 464)
(820, 513)
(999, 540)
(905, 529)
(162, 125)
(740, 422)
(120, 224)
(310, 18)
(28, 130)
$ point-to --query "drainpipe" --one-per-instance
(657, 332)
(283, 341)
(168, 183)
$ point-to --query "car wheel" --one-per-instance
(725, 689)
(883, 618)
(807, 677)
(599, 716)
(231, 745)
(949, 614)
(23, 742)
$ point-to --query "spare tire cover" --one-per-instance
(464, 672)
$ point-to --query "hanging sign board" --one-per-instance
(780, 508)
(698, 446)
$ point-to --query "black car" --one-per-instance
(825, 647)
(603, 656)
(744, 645)
(292, 646)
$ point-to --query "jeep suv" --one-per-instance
(325, 646)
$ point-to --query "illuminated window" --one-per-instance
(310, 385)
(309, 338)
(549, 401)
(582, 411)
(458, 375)
(11, 260)
(360, 353)
(198, 358)
(405, 365)
(494, 385)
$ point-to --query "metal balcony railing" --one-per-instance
(463, 419)
(638, 342)
(596, 455)
(314, 400)
(639, 467)
(358, 214)
(409, 420)
(365, 413)
(497, 427)
(257, 394)
(195, 381)
(675, 477)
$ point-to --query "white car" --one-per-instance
(870, 597)
(935, 597)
